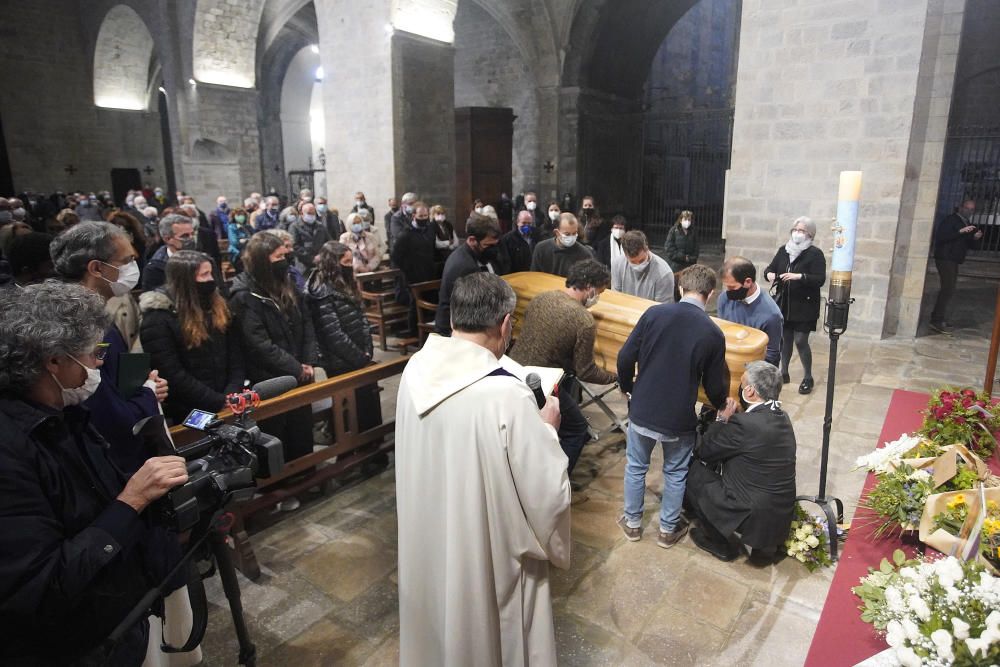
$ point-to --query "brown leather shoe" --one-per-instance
(667, 540)
(633, 534)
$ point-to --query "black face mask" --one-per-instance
(347, 273)
(487, 254)
(737, 294)
(280, 269)
(743, 402)
(421, 222)
(206, 292)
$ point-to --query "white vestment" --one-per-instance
(483, 498)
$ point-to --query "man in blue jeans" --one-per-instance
(677, 348)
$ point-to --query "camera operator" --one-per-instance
(76, 552)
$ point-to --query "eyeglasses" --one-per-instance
(101, 351)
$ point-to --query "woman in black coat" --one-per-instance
(342, 329)
(277, 335)
(681, 247)
(798, 270)
(186, 331)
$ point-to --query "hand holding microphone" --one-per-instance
(549, 406)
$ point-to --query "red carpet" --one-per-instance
(842, 638)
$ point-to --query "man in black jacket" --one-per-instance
(517, 245)
(677, 347)
(743, 478)
(77, 551)
(955, 235)
(478, 253)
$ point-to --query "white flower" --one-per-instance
(990, 635)
(962, 628)
(801, 557)
(907, 657)
(920, 608)
(949, 571)
(894, 635)
(993, 620)
(911, 629)
(812, 541)
(920, 475)
(953, 595)
(977, 645)
(894, 600)
(908, 573)
(942, 640)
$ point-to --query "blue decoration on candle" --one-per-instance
(844, 236)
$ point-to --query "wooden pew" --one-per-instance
(616, 314)
(351, 447)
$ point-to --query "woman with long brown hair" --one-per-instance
(130, 224)
(186, 329)
(277, 334)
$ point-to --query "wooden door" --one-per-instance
(484, 150)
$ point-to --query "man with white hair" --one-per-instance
(742, 480)
(219, 218)
(266, 217)
(402, 219)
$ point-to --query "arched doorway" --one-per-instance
(303, 129)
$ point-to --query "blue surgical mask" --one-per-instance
(356, 228)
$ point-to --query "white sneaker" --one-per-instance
(288, 505)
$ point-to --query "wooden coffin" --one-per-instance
(616, 314)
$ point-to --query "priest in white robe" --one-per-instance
(482, 496)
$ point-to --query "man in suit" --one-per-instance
(517, 245)
(478, 253)
(676, 347)
(954, 236)
(743, 477)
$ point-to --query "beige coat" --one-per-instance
(483, 502)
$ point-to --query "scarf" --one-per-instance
(795, 249)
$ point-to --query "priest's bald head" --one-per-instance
(482, 308)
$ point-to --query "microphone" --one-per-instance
(535, 385)
(274, 387)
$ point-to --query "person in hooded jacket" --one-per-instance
(342, 330)
(308, 236)
(277, 333)
(186, 331)
(363, 243)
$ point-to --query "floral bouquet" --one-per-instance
(964, 416)
(943, 612)
(888, 457)
(947, 514)
(808, 540)
(898, 498)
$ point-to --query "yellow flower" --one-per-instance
(991, 526)
(956, 501)
(992, 506)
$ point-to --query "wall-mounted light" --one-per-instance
(389, 29)
(314, 48)
(124, 102)
(319, 73)
(192, 82)
(419, 20)
(162, 90)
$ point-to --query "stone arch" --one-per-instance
(122, 57)
(429, 18)
(223, 54)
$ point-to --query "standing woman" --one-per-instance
(798, 271)
(239, 233)
(445, 239)
(362, 242)
(186, 331)
(682, 243)
(277, 334)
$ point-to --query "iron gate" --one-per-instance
(971, 170)
(297, 180)
(685, 158)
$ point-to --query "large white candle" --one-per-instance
(845, 235)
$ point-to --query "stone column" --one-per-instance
(824, 87)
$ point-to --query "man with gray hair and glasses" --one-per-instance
(177, 232)
(741, 486)
(482, 495)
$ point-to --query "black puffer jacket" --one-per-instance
(275, 343)
(199, 377)
(681, 248)
(799, 300)
(342, 330)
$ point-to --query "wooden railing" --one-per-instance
(351, 447)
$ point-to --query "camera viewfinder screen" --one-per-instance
(199, 419)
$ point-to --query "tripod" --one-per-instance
(211, 531)
(834, 323)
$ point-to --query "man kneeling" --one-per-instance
(742, 479)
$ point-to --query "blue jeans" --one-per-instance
(676, 457)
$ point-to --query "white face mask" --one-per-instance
(591, 300)
(77, 395)
(479, 210)
(640, 267)
(439, 218)
(531, 206)
(568, 240)
(617, 233)
(128, 278)
(685, 224)
(309, 218)
(799, 237)
(321, 208)
(553, 215)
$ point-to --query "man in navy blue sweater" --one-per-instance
(677, 348)
(744, 302)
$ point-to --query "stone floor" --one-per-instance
(328, 592)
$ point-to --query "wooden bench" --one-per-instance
(351, 447)
(378, 291)
(426, 309)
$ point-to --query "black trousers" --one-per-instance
(948, 271)
(698, 475)
(573, 428)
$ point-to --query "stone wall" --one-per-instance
(823, 87)
(977, 88)
(49, 118)
(225, 32)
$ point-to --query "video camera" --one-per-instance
(223, 465)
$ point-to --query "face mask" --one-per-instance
(686, 224)
(479, 210)
(487, 254)
(419, 224)
(357, 228)
(129, 201)
(206, 291)
(526, 230)
(439, 218)
(77, 395)
(188, 244)
(241, 219)
(19, 213)
(642, 266)
(531, 206)
(592, 300)
(347, 273)
(568, 240)
(407, 209)
(280, 269)
(321, 208)
(309, 219)
(743, 401)
(737, 294)
(223, 206)
(553, 215)
(359, 202)
(158, 193)
(798, 237)
(128, 278)
(617, 233)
